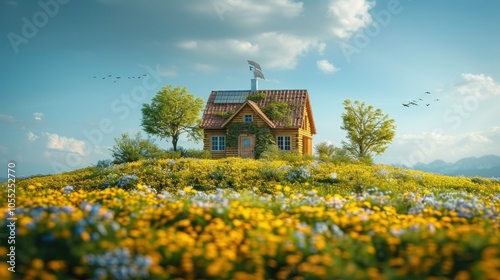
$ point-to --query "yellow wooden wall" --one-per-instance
(249, 111)
(305, 131)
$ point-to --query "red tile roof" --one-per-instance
(298, 99)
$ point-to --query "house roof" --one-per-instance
(219, 102)
(255, 108)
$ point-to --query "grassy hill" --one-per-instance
(249, 219)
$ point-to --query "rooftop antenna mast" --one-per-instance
(257, 74)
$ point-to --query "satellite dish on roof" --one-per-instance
(257, 71)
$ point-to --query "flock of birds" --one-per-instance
(117, 78)
(416, 102)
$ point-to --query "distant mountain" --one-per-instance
(485, 166)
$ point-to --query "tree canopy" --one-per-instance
(369, 130)
(172, 112)
(127, 149)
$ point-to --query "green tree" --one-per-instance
(172, 112)
(326, 151)
(127, 149)
(369, 130)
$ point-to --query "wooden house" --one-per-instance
(244, 109)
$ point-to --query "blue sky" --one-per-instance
(55, 116)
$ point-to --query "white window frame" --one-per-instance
(282, 146)
(218, 146)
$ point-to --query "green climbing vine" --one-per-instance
(225, 115)
(263, 136)
(256, 97)
(278, 111)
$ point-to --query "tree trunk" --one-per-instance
(175, 138)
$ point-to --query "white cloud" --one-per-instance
(229, 46)
(478, 85)
(38, 116)
(276, 33)
(326, 67)
(282, 51)
(348, 16)
(435, 137)
(188, 45)
(428, 146)
(272, 50)
(250, 12)
(7, 118)
(32, 137)
(66, 144)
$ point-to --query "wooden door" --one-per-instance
(246, 146)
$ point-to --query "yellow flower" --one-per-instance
(37, 263)
(370, 250)
(293, 259)
(56, 264)
(85, 236)
(31, 187)
(287, 189)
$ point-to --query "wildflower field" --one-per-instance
(251, 219)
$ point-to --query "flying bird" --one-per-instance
(406, 105)
(437, 99)
(427, 92)
(427, 104)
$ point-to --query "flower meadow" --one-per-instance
(252, 219)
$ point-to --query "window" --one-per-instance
(284, 143)
(246, 142)
(247, 118)
(218, 143)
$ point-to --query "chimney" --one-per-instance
(255, 85)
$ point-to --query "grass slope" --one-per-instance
(248, 219)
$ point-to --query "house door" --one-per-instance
(246, 146)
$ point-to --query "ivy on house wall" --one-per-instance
(263, 136)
